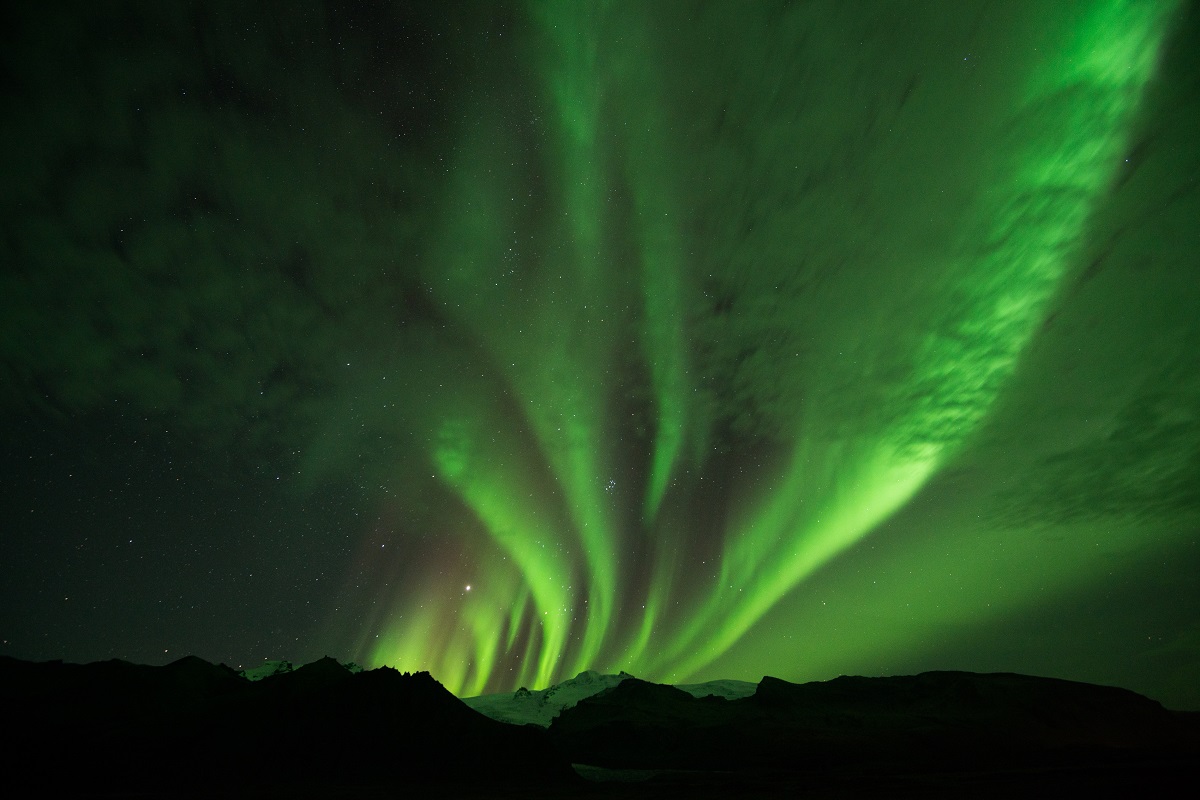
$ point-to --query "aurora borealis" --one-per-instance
(698, 340)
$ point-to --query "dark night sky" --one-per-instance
(700, 340)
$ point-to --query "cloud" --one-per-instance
(194, 232)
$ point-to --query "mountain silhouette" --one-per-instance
(191, 728)
(1028, 733)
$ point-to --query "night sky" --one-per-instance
(695, 339)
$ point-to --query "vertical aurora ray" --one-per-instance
(663, 338)
(600, 285)
(568, 405)
(661, 251)
(656, 242)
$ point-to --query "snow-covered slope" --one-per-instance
(540, 707)
(266, 670)
(269, 668)
(730, 690)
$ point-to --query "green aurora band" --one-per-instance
(585, 442)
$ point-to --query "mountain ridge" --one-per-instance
(193, 727)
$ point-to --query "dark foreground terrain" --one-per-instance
(193, 729)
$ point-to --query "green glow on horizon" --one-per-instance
(946, 353)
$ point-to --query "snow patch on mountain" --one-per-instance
(730, 690)
(539, 707)
(270, 668)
